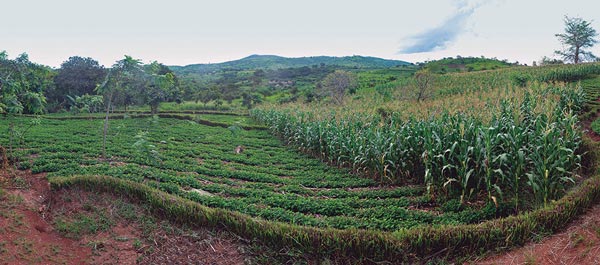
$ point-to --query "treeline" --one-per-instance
(253, 86)
(82, 85)
(22, 85)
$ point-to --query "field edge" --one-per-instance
(407, 245)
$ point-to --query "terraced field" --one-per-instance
(386, 185)
(591, 87)
(266, 180)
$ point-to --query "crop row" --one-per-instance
(356, 245)
(520, 148)
(266, 180)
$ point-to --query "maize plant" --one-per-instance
(454, 154)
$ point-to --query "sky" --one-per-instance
(181, 32)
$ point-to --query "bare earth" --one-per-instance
(579, 243)
(28, 234)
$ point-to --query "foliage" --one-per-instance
(402, 246)
(550, 61)
(464, 64)
(494, 138)
(76, 77)
(147, 151)
(596, 126)
(22, 85)
(269, 62)
(337, 84)
(86, 103)
(125, 75)
(205, 95)
(423, 80)
(160, 85)
(267, 180)
(578, 36)
(250, 99)
(455, 155)
(267, 79)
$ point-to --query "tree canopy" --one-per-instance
(129, 81)
(160, 84)
(76, 77)
(578, 36)
(22, 85)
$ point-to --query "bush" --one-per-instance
(520, 79)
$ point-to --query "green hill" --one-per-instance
(465, 64)
(270, 62)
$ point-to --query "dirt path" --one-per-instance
(579, 243)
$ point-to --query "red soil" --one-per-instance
(579, 243)
(27, 235)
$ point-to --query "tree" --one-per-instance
(257, 77)
(160, 85)
(423, 81)
(124, 75)
(550, 61)
(22, 84)
(578, 36)
(205, 95)
(76, 77)
(336, 84)
(249, 99)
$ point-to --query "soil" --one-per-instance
(30, 233)
(40, 226)
(26, 235)
(579, 243)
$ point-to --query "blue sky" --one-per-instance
(180, 32)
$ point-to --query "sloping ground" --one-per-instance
(73, 226)
(26, 235)
(579, 243)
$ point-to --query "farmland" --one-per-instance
(483, 163)
(450, 144)
(267, 180)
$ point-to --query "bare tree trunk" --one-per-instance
(576, 59)
(153, 109)
(106, 125)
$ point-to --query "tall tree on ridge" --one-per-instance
(578, 35)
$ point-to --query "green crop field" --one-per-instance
(488, 160)
(267, 179)
(390, 135)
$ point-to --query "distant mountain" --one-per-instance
(278, 62)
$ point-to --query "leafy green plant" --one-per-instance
(148, 151)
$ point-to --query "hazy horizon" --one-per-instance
(184, 32)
